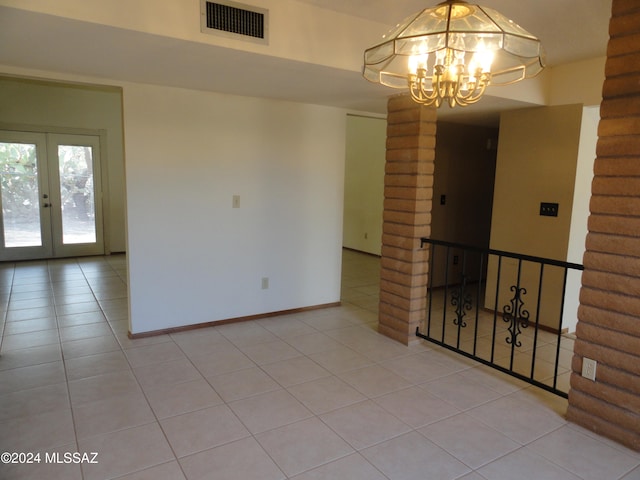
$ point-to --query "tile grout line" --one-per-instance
(226, 404)
(157, 420)
(64, 363)
(122, 350)
(6, 311)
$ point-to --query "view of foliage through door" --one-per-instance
(76, 191)
(20, 196)
(49, 184)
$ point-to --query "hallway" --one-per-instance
(307, 396)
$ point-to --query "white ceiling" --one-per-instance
(570, 30)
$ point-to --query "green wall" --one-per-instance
(364, 183)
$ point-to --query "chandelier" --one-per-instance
(450, 54)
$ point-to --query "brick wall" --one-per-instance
(408, 190)
(608, 330)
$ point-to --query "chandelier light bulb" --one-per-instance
(418, 61)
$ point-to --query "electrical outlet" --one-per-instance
(265, 283)
(589, 368)
(235, 201)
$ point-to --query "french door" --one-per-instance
(50, 195)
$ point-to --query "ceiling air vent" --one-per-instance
(234, 19)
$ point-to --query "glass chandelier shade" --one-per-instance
(450, 54)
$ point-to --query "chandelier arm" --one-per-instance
(472, 89)
(418, 91)
(473, 96)
(443, 88)
(458, 85)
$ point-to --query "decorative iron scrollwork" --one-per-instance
(516, 315)
(462, 301)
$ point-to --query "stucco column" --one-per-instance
(408, 190)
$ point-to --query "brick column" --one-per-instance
(608, 330)
(408, 190)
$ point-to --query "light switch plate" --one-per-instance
(548, 209)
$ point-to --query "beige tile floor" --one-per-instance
(309, 396)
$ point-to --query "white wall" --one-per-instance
(580, 212)
(192, 257)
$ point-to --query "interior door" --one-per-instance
(50, 195)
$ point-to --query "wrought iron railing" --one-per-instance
(502, 309)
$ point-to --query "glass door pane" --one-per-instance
(26, 217)
(20, 195)
(75, 164)
(76, 195)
